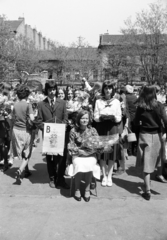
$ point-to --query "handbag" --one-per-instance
(131, 136)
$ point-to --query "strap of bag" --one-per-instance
(129, 130)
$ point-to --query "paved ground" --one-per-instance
(34, 211)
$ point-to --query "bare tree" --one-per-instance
(147, 40)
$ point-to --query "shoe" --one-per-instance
(27, 174)
(104, 182)
(10, 162)
(120, 171)
(18, 177)
(52, 184)
(87, 199)
(5, 167)
(146, 195)
(62, 185)
(160, 179)
(109, 183)
(77, 198)
(92, 185)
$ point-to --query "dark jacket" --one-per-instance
(151, 121)
(46, 114)
(130, 104)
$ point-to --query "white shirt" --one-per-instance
(104, 107)
(54, 100)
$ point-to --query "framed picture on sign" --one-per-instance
(54, 138)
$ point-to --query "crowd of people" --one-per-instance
(104, 110)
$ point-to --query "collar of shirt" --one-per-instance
(54, 100)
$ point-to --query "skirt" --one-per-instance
(149, 151)
(86, 164)
(21, 144)
(106, 128)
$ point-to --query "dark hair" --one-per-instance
(48, 86)
(107, 83)
(22, 91)
(70, 89)
(147, 98)
(80, 114)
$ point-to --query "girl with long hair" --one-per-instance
(151, 119)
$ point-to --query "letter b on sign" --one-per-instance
(48, 129)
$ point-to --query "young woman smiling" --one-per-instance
(107, 114)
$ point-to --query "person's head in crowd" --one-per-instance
(147, 98)
(163, 92)
(50, 89)
(76, 93)
(108, 89)
(157, 88)
(69, 87)
(122, 90)
(129, 89)
(83, 98)
(22, 91)
(70, 94)
(96, 88)
(61, 93)
(83, 119)
(83, 83)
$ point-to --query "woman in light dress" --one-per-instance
(108, 115)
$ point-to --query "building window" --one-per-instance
(106, 74)
(95, 75)
(86, 75)
(143, 79)
(77, 76)
(68, 77)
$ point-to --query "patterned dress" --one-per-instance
(85, 162)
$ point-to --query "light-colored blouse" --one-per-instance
(108, 107)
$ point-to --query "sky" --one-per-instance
(64, 21)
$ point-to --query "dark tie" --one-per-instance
(52, 104)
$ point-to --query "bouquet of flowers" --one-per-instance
(100, 143)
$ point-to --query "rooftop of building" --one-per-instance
(14, 24)
(65, 53)
(120, 39)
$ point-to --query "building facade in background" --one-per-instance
(19, 28)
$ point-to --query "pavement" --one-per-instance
(34, 211)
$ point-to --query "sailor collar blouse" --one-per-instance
(108, 107)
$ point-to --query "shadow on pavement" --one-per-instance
(134, 171)
(68, 193)
(11, 172)
(39, 174)
(132, 187)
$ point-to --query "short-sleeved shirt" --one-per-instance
(21, 112)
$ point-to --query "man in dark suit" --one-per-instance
(52, 110)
